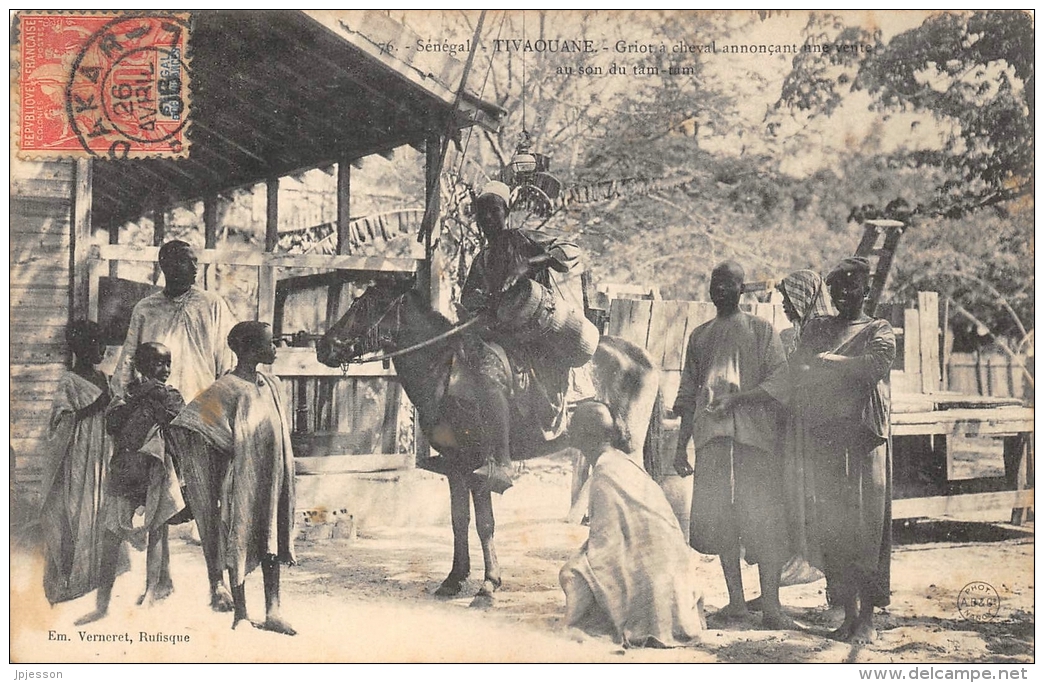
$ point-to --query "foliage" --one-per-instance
(970, 73)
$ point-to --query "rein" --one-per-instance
(457, 329)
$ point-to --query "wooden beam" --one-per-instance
(272, 214)
(79, 290)
(432, 161)
(965, 422)
(301, 362)
(344, 205)
(114, 238)
(912, 343)
(928, 310)
(266, 276)
(235, 257)
(344, 245)
(210, 231)
(210, 226)
(335, 464)
(940, 506)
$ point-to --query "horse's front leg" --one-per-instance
(460, 516)
(485, 526)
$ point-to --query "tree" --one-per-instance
(970, 74)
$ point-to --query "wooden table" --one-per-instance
(924, 481)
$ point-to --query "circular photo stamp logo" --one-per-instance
(978, 601)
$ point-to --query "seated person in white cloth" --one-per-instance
(635, 577)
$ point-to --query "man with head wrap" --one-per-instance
(188, 320)
(839, 440)
(511, 255)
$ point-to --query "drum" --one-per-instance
(532, 313)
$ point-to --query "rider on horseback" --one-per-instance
(510, 257)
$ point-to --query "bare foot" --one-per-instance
(777, 620)
(276, 624)
(863, 633)
(92, 617)
(237, 621)
(844, 632)
(732, 612)
(221, 599)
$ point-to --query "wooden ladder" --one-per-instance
(880, 239)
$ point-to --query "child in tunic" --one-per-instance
(233, 444)
(142, 483)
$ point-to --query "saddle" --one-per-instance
(538, 408)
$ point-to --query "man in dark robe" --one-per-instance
(838, 444)
(510, 256)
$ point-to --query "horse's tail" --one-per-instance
(654, 438)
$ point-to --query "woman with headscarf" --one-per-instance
(804, 298)
(838, 449)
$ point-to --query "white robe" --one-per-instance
(635, 578)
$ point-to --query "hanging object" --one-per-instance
(533, 188)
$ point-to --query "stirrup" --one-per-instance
(496, 477)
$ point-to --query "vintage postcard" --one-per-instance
(522, 336)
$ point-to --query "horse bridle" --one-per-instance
(371, 332)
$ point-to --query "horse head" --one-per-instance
(369, 325)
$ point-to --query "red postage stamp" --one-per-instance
(103, 85)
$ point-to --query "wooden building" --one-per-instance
(273, 94)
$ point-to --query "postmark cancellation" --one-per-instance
(106, 85)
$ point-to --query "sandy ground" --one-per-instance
(370, 600)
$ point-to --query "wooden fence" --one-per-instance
(663, 328)
(989, 374)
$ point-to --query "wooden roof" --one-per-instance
(275, 92)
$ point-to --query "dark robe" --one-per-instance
(838, 456)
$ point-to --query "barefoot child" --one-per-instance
(233, 444)
(141, 477)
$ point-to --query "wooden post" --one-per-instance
(266, 278)
(1019, 471)
(928, 307)
(114, 238)
(944, 327)
(344, 246)
(427, 273)
(210, 229)
(159, 233)
(79, 290)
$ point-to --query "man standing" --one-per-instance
(732, 384)
(840, 427)
(194, 324)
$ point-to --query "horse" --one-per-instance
(389, 317)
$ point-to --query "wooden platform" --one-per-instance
(924, 428)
